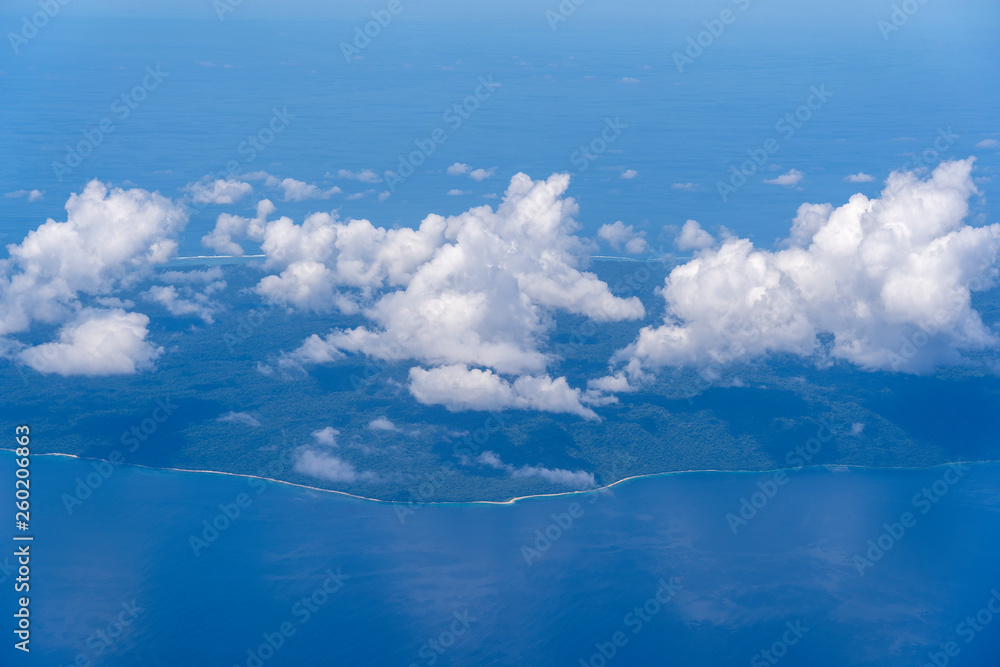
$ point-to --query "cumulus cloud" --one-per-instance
(110, 239)
(988, 143)
(889, 280)
(621, 236)
(96, 342)
(329, 467)
(229, 227)
(455, 192)
(293, 190)
(32, 195)
(219, 191)
(458, 168)
(685, 186)
(576, 480)
(693, 237)
(860, 177)
(629, 174)
(481, 174)
(790, 178)
(364, 176)
(243, 418)
(470, 291)
(191, 295)
(460, 388)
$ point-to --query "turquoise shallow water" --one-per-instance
(458, 575)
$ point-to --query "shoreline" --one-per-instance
(514, 500)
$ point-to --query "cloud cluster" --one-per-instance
(623, 237)
(888, 279)
(189, 294)
(218, 191)
(110, 239)
(470, 296)
(576, 480)
(460, 168)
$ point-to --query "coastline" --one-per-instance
(514, 500)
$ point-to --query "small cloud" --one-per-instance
(328, 467)
(364, 176)
(456, 192)
(988, 143)
(382, 196)
(860, 177)
(356, 195)
(382, 424)
(790, 178)
(621, 236)
(481, 174)
(685, 186)
(300, 190)
(219, 191)
(857, 428)
(458, 168)
(32, 195)
(629, 174)
(629, 79)
(326, 436)
(576, 480)
(245, 418)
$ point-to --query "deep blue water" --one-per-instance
(405, 581)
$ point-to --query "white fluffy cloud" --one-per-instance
(629, 174)
(860, 177)
(623, 237)
(96, 342)
(988, 143)
(693, 237)
(219, 191)
(889, 278)
(790, 178)
(473, 290)
(576, 480)
(460, 388)
(190, 293)
(293, 190)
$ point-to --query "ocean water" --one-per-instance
(889, 101)
(652, 564)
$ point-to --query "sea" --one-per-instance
(814, 567)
